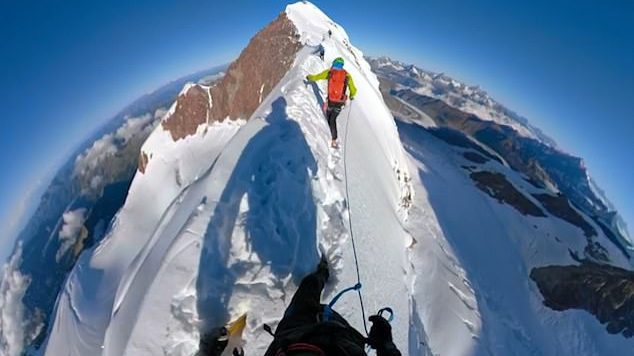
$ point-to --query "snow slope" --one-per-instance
(472, 260)
(248, 208)
(229, 220)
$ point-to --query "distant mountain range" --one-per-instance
(448, 103)
(559, 185)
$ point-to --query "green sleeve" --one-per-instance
(319, 76)
(353, 89)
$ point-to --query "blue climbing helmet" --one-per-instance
(338, 63)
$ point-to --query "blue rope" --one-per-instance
(328, 309)
(354, 248)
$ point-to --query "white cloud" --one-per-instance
(110, 143)
(95, 182)
(133, 126)
(211, 78)
(100, 149)
(71, 230)
(15, 331)
(159, 113)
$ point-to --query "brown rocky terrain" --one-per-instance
(606, 292)
(457, 138)
(498, 187)
(559, 206)
(192, 110)
(143, 161)
(249, 79)
(474, 157)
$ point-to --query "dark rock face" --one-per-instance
(559, 206)
(497, 186)
(457, 138)
(604, 291)
(249, 79)
(474, 157)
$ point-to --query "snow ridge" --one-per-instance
(228, 220)
(238, 214)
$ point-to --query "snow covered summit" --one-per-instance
(236, 192)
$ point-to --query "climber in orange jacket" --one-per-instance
(338, 81)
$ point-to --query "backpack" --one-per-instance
(337, 84)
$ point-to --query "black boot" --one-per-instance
(322, 267)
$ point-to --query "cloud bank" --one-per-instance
(71, 231)
(109, 144)
(15, 330)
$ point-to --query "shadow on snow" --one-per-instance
(273, 176)
(473, 229)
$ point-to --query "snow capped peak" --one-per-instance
(248, 202)
(312, 24)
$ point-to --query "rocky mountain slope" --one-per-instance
(554, 185)
(605, 291)
(542, 163)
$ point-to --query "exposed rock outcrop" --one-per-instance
(143, 161)
(497, 186)
(606, 292)
(457, 138)
(192, 110)
(249, 79)
(559, 206)
(474, 157)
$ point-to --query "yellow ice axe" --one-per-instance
(238, 325)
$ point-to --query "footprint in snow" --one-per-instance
(334, 166)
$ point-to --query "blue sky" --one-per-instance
(67, 66)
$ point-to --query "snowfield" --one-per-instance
(228, 221)
(472, 260)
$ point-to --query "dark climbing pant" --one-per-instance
(332, 111)
(305, 306)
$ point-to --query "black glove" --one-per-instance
(380, 337)
(380, 332)
(213, 342)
